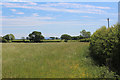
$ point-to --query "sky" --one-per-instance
(56, 18)
(60, 0)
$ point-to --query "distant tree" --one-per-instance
(56, 38)
(52, 38)
(27, 38)
(75, 37)
(66, 37)
(85, 34)
(36, 36)
(9, 37)
(12, 37)
(81, 37)
(23, 38)
(4, 40)
(0, 39)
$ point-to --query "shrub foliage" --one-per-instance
(36, 36)
(85, 40)
(105, 46)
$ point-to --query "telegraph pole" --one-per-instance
(108, 21)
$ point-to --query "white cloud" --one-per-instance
(74, 5)
(85, 16)
(0, 12)
(15, 0)
(35, 14)
(26, 21)
(0, 3)
(32, 3)
(37, 21)
(20, 13)
(61, 7)
(61, 0)
(13, 10)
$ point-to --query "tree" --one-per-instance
(4, 40)
(65, 37)
(85, 34)
(0, 39)
(12, 37)
(81, 37)
(52, 38)
(36, 36)
(23, 38)
(56, 38)
(75, 37)
(9, 37)
(27, 38)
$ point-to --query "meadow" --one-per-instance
(50, 60)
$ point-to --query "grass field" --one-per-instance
(50, 60)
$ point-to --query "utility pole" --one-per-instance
(108, 21)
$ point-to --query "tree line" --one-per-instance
(37, 36)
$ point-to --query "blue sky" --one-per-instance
(56, 18)
(60, 0)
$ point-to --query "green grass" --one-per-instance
(50, 60)
(22, 41)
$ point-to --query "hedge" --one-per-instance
(85, 40)
(105, 47)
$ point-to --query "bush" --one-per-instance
(105, 45)
(85, 40)
(65, 36)
(20, 41)
(4, 40)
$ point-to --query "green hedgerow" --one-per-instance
(105, 46)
